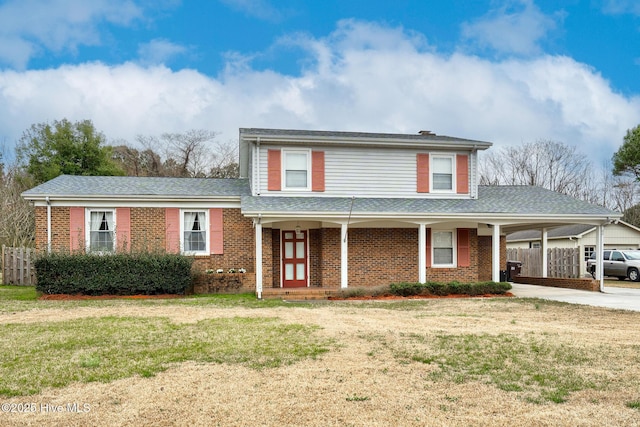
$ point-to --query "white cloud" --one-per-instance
(261, 9)
(516, 27)
(615, 7)
(364, 78)
(159, 51)
(30, 26)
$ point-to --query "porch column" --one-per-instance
(258, 227)
(344, 257)
(495, 253)
(422, 253)
(543, 248)
(599, 253)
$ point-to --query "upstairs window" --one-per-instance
(442, 173)
(101, 231)
(194, 232)
(296, 169)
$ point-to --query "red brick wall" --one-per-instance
(461, 274)
(380, 256)
(268, 276)
(239, 245)
(60, 236)
(315, 258)
(485, 256)
(147, 230)
(583, 284)
(330, 255)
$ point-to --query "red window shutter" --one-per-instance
(172, 230)
(274, 170)
(317, 170)
(422, 170)
(216, 231)
(462, 174)
(463, 248)
(428, 247)
(123, 229)
(76, 229)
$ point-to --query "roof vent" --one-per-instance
(426, 132)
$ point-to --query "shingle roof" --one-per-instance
(564, 231)
(511, 200)
(126, 186)
(353, 135)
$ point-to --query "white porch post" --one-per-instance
(543, 248)
(599, 253)
(344, 257)
(495, 253)
(259, 260)
(422, 253)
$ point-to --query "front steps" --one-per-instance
(300, 294)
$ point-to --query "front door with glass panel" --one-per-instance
(294, 259)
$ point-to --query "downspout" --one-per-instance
(256, 170)
(48, 224)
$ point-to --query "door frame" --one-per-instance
(305, 238)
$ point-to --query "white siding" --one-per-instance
(366, 172)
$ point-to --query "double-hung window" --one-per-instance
(443, 248)
(101, 230)
(296, 169)
(195, 236)
(442, 175)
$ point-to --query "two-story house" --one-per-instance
(315, 209)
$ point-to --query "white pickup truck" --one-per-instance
(618, 263)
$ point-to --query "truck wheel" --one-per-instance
(633, 275)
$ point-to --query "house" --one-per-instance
(617, 235)
(316, 209)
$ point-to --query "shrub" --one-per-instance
(116, 274)
(452, 288)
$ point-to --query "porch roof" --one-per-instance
(496, 201)
(127, 187)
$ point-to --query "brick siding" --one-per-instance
(377, 256)
(556, 282)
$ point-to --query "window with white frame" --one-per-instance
(296, 169)
(442, 243)
(589, 251)
(195, 236)
(101, 230)
(442, 173)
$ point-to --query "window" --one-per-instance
(442, 173)
(195, 238)
(535, 245)
(296, 169)
(589, 251)
(443, 244)
(101, 231)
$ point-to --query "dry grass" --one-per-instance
(498, 362)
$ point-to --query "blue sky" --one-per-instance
(505, 71)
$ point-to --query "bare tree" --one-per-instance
(17, 219)
(548, 164)
(195, 153)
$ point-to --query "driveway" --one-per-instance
(620, 298)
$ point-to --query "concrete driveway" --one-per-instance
(620, 298)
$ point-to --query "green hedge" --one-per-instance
(116, 274)
(406, 289)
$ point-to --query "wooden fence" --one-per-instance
(17, 266)
(561, 262)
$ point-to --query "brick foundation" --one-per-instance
(556, 282)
